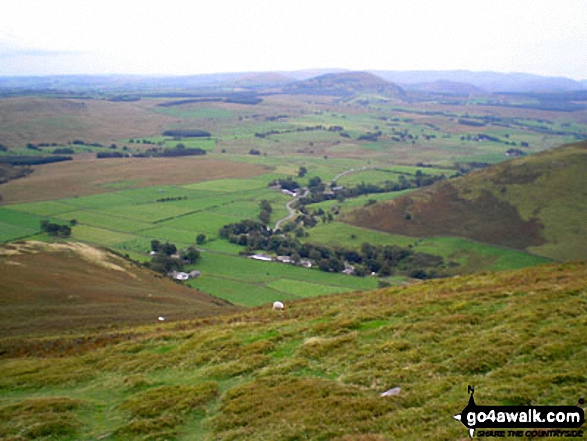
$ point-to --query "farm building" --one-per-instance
(262, 257)
(180, 275)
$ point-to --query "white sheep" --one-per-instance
(278, 306)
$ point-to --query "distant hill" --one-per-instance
(446, 87)
(67, 287)
(488, 81)
(347, 84)
(537, 203)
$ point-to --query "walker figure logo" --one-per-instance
(521, 417)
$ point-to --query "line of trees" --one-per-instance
(381, 260)
(187, 133)
(266, 209)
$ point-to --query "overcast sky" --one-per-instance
(205, 36)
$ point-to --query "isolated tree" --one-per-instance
(200, 239)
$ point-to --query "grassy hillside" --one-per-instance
(73, 287)
(536, 203)
(314, 371)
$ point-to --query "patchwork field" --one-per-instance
(124, 203)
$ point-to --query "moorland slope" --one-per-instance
(314, 371)
(535, 203)
(74, 287)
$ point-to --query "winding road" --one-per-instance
(292, 212)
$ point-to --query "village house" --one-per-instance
(262, 257)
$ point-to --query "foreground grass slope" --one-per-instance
(537, 203)
(65, 287)
(314, 371)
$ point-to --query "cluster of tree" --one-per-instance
(484, 137)
(244, 227)
(285, 184)
(250, 100)
(181, 151)
(170, 199)
(32, 159)
(515, 152)
(372, 136)
(276, 118)
(265, 214)
(187, 133)
(167, 258)
(468, 122)
(381, 260)
(403, 136)
(3, 148)
(141, 141)
(46, 144)
(299, 129)
(103, 155)
(63, 151)
(57, 230)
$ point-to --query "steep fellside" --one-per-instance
(536, 203)
(67, 287)
(315, 371)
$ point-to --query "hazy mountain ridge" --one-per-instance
(490, 82)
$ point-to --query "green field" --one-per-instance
(252, 283)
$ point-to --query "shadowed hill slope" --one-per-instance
(314, 371)
(63, 287)
(536, 203)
